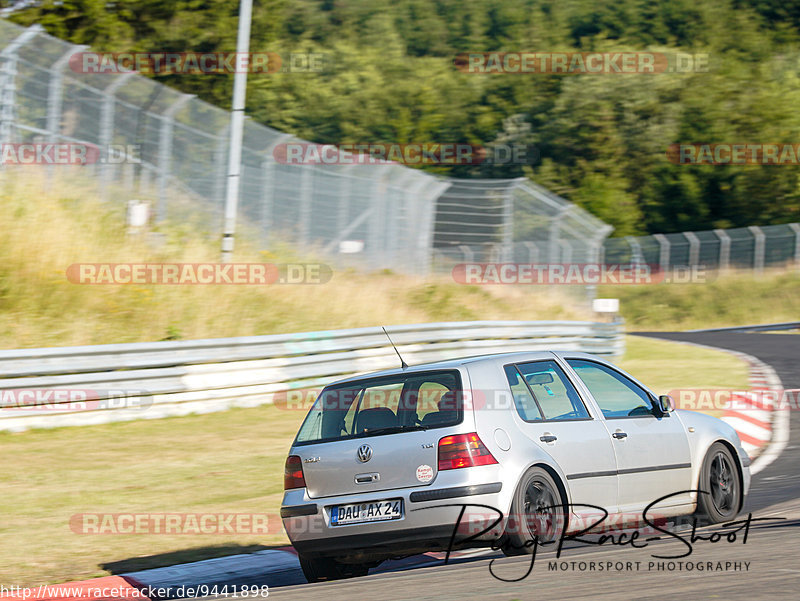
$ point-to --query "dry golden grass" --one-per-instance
(724, 299)
(48, 231)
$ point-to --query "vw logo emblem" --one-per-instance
(364, 453)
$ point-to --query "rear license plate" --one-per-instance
(360, 513)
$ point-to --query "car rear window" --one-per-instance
(385, 405)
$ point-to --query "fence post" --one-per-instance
(268, 192)
(596, 253)
(758, 251)
(305, 204)
(566, 251)
(107, 129)
(392, 216)
(375, 249)
(426, 216)
(663, 252)
(796, 229)
(165, 152)
(724, 249)
(346, 189)
(636, 250)
(533, 252)
(394, 208)
(415, 258)
(55, 92)
(8, 81)
(508, 226)
(268, 178)
(694, 248)
(267, 172)
(553, 250)
(55, 100)
(220, 154)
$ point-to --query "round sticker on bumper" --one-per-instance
(424, 473)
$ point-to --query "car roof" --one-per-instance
(510, 357)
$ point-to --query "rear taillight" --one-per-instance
(293, 473)
(463, 450)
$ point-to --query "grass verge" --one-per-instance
(50, 230)
(47, 230)
(728, 300)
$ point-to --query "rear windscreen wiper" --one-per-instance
(392, 430)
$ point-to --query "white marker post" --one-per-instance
(606, 306)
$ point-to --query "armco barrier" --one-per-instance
(202, 376)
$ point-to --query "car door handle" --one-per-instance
(548, 438)
(619, 435)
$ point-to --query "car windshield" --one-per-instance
(385, 405)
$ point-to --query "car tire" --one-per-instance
(720, 486)
(539, 500)
(325, 568)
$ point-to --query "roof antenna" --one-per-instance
(403, 364)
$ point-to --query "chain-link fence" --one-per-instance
(182, 146)
(513, 221)
(539, 238)
(752, 247)
(368, 215)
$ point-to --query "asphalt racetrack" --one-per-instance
(718, 570)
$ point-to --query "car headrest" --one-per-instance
(437, 418)
(377, 417)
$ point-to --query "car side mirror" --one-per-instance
(666, 404)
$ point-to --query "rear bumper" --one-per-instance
(430, 518)
(378, 546)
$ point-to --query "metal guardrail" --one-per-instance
(123, 382)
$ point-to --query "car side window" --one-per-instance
(429, 396)
(523, 399)
(553, 392)
(350, 416)
(616, 395)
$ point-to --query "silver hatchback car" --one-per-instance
(495, 450)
